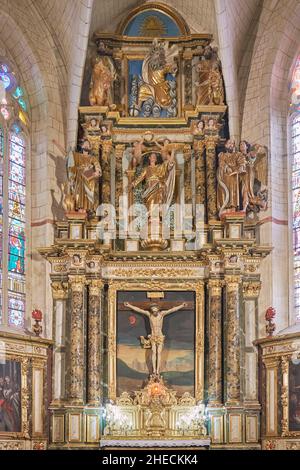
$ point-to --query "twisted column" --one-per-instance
(77, 284)
(215, 342)
(94, 342)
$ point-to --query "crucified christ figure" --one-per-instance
(156, 339)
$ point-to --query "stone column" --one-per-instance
(211, 177)
(215, 342)
(233, 341)
(94, 342)
(60, 296)
(77, 284)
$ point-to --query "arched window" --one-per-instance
(296, 208)
(13, 123)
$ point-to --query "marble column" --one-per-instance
(187, 174)
(211, 178)
(77, 284)
(284, 395)
(200, 171)
(94, 342)
(60, 296)
(233, 341)
(215, 342)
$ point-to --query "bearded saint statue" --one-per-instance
(103, 76)
(158, 63)
(231, 176)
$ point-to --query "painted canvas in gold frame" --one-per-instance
(196, 287)
(13, 396)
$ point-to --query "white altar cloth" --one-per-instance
(144, 443)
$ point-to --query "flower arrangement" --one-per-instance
(37, 315)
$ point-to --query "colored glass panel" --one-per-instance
(1, 214)
(16, 310)
(296, 190)
(16, 230)
(12, 211)
(295, 88)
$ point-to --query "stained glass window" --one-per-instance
(16, 230)
(295, 88)
(12, 199)
(1, 213)
(296, 208)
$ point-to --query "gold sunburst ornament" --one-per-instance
(152, 26)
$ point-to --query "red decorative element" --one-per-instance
(270, 327)
(132, 320)
(37, 315)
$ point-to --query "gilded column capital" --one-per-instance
(59, 290)
(95, 286)
(232, 282)
(119, 149)
(215, 286)
(271, 362)
(77, 283)
(251, 289)
(285, 364)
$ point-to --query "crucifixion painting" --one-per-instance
(155, 341)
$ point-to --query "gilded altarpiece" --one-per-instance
(161, 215)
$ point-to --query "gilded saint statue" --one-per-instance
(230, 176)
(84, 171)
(157, 64)
(156, 339)
(101, 86)
(210, 88)
(160, 182)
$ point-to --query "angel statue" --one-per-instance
(160, 182)
(256, 179)
(154, 87)
(103, 76)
